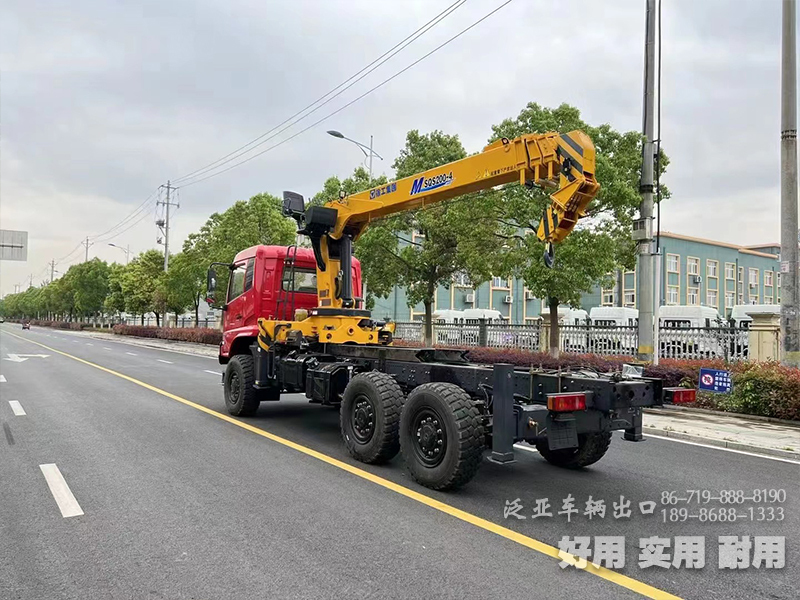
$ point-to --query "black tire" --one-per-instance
(591, 448)
(369, 417)
(443, 416)
(241, 398)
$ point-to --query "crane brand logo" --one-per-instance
(421, 184)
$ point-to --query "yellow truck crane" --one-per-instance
(440, 409)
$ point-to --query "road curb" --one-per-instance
(677, 435)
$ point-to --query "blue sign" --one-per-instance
(715, 380)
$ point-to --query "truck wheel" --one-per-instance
(369, 417)
(591, 448)
(240, 396)
(441, 436)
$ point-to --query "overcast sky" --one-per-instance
(101, 101)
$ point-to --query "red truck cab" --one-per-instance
(257, 288)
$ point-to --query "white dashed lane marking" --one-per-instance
(63, 496)
(16, 408)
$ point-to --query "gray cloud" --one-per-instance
(103, 101)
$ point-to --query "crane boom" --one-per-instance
(564, 163)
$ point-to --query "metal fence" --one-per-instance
(729, 343)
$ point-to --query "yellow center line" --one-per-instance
(524, 540)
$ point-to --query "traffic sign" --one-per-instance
(13, 245)
(715, 380)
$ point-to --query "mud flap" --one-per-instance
(562, 432)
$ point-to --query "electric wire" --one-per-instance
(338, 110)
(342, 87)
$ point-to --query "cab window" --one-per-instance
(241, 279)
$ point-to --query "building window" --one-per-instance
(673, 263)
(672, 294)
(608, 297)
(778, 277)
(753, 279)
(730, 299)
(753, 298)
(712, 268)
(630, 299)
(693, 296)
(501, 283)
(768, 299)
(768, 278)
(693, 266)
(741, 298)
(460, 279)
(730, 271)
(711, 298)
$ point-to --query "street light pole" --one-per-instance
(790, 312)
(367, 150)
(127, 251)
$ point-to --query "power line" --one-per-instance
(338, 110)
(133, 214)
(341, 88)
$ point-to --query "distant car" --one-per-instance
(2, 320)
(26, 325)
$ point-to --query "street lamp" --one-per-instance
(127, 250)
(367, 150)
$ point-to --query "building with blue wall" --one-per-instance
(694, 271)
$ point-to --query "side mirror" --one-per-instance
(211, 285)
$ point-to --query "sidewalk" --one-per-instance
(737, 432)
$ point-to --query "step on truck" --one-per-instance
(294, 323)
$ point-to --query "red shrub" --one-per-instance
(198, 335)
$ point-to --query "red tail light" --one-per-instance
(566, 402)
(680, 395)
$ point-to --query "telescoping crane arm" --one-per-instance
(562, 162)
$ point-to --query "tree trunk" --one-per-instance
(428, 323)
(158, 319)
(554, 346)
(197, 311)
(142, 319)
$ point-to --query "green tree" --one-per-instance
(601, 242)
(90, 284)
(140, 282)
(184, 283)
(115, 300)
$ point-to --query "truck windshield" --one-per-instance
(305, 281)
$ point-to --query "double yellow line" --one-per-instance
(617, 578)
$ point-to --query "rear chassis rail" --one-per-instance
(513, 401)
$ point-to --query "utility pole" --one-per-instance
(87, 243)
(31, 283)
(643, 229)
(790, 319)
(167, 203)
(52, 270)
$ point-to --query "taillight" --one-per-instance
(680, 395)
(566, 402)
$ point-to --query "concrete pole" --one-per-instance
(166, 232)
(790, 320)
(644, 292)
(370, 160)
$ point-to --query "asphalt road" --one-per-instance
(171, 501)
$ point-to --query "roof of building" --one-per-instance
(744, 249)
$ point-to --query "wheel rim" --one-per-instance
(362, 419)
(235, 388)
(429, 438)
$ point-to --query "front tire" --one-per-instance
(241, 398)
(441, 436)
(591, 448)
(369, 417)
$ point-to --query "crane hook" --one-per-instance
(549, 255)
